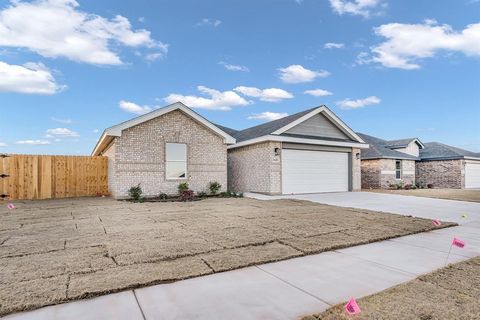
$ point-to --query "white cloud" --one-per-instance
(216, 100)
(356, 7)
(233, 67)
(61, 132)
(268, 116)
(31, 78)
(408, 43)
(318, 92)
(66, 121)
(3, 144)
(133, 107)
(34, 142)
(296, 73)
(95, 130)
(270, 94)
(209, 22)
(57, 28)
(358, 103)
(333, 45)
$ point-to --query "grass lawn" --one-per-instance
(450, 194)
(59, 250)
(449, 293)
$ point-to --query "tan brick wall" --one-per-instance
(255, 168)
(380, 173)
(140, 156)
(356, 171)
(110, 154)
(442, 173)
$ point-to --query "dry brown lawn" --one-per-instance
(58, 250)
(449, 194)
(449, 293)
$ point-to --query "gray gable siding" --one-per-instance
(318, 126)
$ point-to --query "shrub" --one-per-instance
(135, 192)
(214, 187)
(430, 186)
(201, 194)
(414, 187)
(399, 185)
(408, 186)
(187, 195)
(162, 196)
(182, 187)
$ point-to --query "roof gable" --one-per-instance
(285, 125)
(116, 130)
(318, 126)
(380, 149)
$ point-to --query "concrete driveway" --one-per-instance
(446, 210)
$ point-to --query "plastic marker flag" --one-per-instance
(458, 243)
(10, 206)
(352, 307)
(437, 222)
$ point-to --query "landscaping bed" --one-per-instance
(449, 194)
(449, 293)
(59, 250)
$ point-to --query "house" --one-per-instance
(389, 162)
(163, 148)
(446, 166)
(409, 161)
(311, 151)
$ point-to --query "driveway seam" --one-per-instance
(294, 286)
(139, 306)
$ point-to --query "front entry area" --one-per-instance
(308, 171)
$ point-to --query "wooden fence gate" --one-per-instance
(46, 177)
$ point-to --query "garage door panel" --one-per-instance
(305, 171)
(472, 175)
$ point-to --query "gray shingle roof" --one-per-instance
(400, 143)
(265, 128)
(379, 149)
(438, 151)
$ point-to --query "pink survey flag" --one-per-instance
(437, 222)
(10, 206)
(458, 243)
(352, 307)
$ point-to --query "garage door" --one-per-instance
(472, 175)
(305, 171)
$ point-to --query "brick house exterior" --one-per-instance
(138, 156)
(244, 161)
(380, 173)
(448, 174)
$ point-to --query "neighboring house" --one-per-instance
(387, 163)
(163, 148)
(409, 161)
(445, 166)
(311, 151)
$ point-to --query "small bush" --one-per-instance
(214, 187)
(408, 186)
(414, 187)
(430, 186)
(162, 196)
(399, 185)
(135, 192)
(187, 195)
(201, 194)
(182, 187)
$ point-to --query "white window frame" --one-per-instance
(398, 170)
(166, 161)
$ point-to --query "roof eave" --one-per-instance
(278, 138)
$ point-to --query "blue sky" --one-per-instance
(393, 69)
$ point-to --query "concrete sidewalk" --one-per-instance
(286, 289)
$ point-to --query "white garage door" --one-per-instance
(472, 175)
(305, 171)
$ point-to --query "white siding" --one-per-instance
(412, 149)
(318, 126)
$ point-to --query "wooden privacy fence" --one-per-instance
(46, 177)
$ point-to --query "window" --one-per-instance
(176, 160)
(398, 169)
